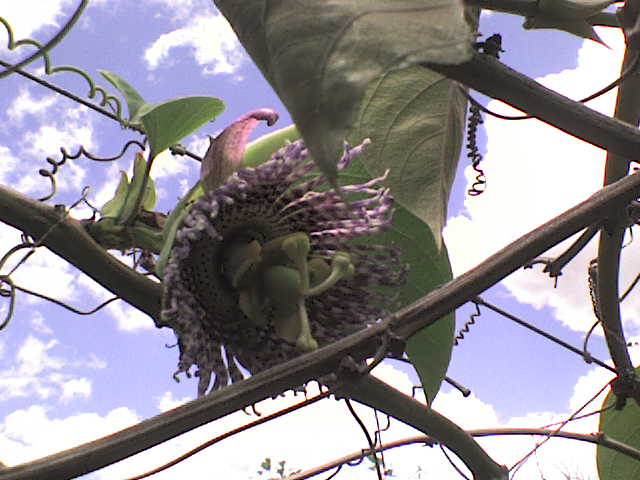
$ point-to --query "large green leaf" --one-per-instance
(430, 349)
(415, 120)
(320, 55)
(624, 426)
(166, 123)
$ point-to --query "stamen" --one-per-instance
(341, 267)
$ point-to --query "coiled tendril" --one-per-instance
(491, 46)
(55, 164)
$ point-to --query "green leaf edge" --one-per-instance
(164, 129)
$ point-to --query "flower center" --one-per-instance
(274, 278)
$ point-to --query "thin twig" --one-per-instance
(519, 321)
(554, 267)
(230, 433)
(594, 438)
(630, 69)
(64, 305)
(520, 462)
(363, 427)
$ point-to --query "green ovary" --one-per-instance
(276, 277)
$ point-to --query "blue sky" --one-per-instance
(66, 379)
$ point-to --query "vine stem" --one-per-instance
(595, 438)
(61, 91)
(612, 235)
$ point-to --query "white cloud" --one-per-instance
(534, 173)
(26, 104)
(29, 16)
(53, 125)
(37, 372)
(39, 325)
(76, 387)
(167, 165)
(167, 402)
(177, 9)
(129, 319)
(30, 433)
(42, 272)
(34, 356)
(210, 40)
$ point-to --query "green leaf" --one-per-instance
(172, 224)
(149, 199)
(430, 349)
(133, 98)
(415, 119)
(114, 206)
(317, 55)
(166, 123)
(134, 203)
(139, 169)
(624, 426)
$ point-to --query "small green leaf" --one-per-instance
(133, 98)
(139, 168)
(172, 224)
(150, 198)
(134, 203)
(623, 426)
(166, 123)
(114, 206)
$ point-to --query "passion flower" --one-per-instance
(272, 264)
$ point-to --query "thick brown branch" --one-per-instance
(487, 75)
(67, 238)
(374, 393)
